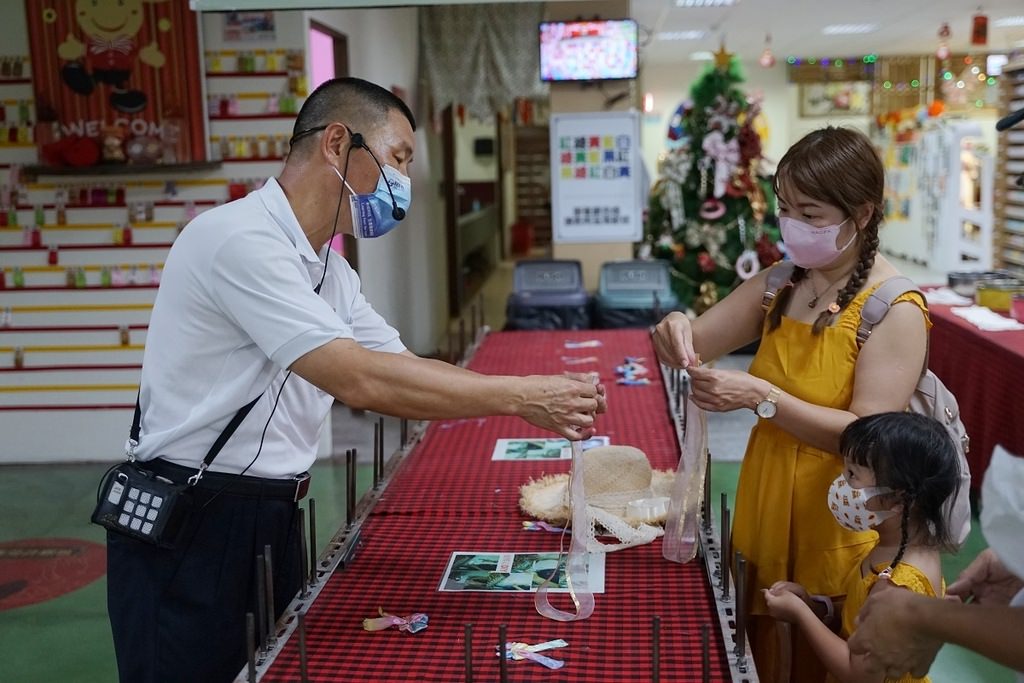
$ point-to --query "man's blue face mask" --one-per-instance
(378, 213)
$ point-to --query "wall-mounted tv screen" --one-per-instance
(588, 50)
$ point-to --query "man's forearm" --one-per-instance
(407, 386)
(996, 632)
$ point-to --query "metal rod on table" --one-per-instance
(741, 611)
(353, 482)
(503, 652)
(462, 338)
(268, 571)
(376, 453)
(705, 653)
(469, 653)
(706, 506)
(655, 649)
(303, 553)
(250, 639)
(380, 456)
(349, 475)
(404, 431)
(725, 557)
(261, 604)
(679, 395)
(303, 655)
(312, 541)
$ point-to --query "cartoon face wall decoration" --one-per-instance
(107, 50)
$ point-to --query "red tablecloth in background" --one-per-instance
(985, 371)
(449, 496)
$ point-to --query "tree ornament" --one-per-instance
(767, 59)
(706, 263)
(747, 265)
(707, 297)
(724, 154)
(722, 58)
(944, 34)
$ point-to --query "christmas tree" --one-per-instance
(708, 208)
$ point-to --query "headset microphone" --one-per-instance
(397, 212)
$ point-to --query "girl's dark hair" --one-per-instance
(913, 455)
(837, 166)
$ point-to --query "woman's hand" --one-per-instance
(723, 390)
(673, 341)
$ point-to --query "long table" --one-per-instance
(984, 370)
(448, 495)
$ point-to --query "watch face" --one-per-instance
(766, 409)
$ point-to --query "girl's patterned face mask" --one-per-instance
(849, 505)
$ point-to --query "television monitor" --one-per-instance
(588, 50)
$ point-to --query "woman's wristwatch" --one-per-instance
(768, 405)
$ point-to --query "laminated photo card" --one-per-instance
(515, 572)
(541, 449)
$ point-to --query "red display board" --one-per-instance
(116, 82)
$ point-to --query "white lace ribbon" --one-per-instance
(682, 524)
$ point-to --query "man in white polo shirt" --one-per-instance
(252, 308)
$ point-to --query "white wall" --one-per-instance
(403, 273)
(470, 167)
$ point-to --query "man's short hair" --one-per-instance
(359, 104)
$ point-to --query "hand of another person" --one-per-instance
(885, 639)
(673, 341)
(593, 378)
(723, 390)
(986, 580)
(562, 405)
(785, 604)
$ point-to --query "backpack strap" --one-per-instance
(778, 276)
(879, 302)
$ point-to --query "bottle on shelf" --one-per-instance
(7, 317)
(154, 274)
(5, 67)
(12, 215)
(263, 146)
(52, 256)
(273, 104)
(18, 67)
(26, 236)
(3, 278)
(69, 277)
(18, 277)
(149, 211)
(19, 357)
(126, 234)
(105, 278)
(4, 215)
(80, 281)
(37, 237)
(233, 107)
(124, 335)
(117, 276)
(39, 214)
(133, 275)
(61, 207)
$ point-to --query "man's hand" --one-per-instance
(986, 580)
(673, 341)
(886, 640)
(593, 378)
(562, 405)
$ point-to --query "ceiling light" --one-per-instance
(702, 56)
(680, 35)
(848, 29)
(705, 3)
(1005, 22)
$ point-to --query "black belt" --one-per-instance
(294, 489)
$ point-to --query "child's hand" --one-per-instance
(784, 604)
(794, 588)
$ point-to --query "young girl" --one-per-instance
(899, 470)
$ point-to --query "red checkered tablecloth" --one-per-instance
(449, 496)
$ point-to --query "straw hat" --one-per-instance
(617, 480)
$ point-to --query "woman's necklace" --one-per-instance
(815, 296)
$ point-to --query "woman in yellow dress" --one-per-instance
(809, 379)
(899, 470)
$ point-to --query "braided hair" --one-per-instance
(913, 455)
(840, 167)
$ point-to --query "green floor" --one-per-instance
(68, 638)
